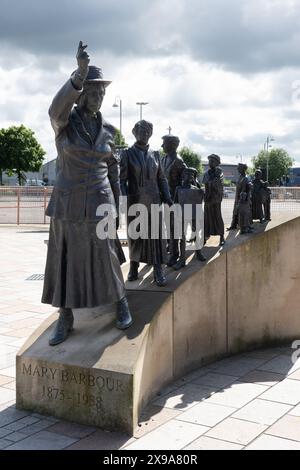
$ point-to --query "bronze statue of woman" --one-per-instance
(143, 182)
(83, 270)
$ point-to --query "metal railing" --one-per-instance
(24, 204)
(283, 200)
(27, 204)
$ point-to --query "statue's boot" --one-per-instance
(124, 318)
(200, 256)
(234, 222)
(174, 253)
(181, 262)
(222, 240)
(172, 260)
(246, 230)
(159, 277)
(63, 327)
(133, 271)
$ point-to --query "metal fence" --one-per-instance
(27, 205)
(24, 204)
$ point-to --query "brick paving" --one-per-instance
(250, 401)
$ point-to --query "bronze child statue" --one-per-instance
(189, 196)
(258, 197)
(213, 181)
(173, 165)
(267, 201)
(242, 215)
(82, 270)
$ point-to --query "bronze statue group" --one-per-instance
(148, 179)
(252, 201)
(83, 270)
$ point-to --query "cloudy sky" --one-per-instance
(224, 74)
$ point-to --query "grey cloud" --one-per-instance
(11, 113)
(247, 147)
(237, 35)
(234, 37)
(292, 115)
(56, 27)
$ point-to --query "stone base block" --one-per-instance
(99, 376)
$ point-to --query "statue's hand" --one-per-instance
(83, 60)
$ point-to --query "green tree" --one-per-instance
(191, 158)
(119, 139)
(227, 182)
(20, 151)
(278, 160)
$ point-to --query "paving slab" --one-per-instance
(262, 411)
(209, 443)
(207, 414)
(174, 435)
(266, 442)
(43, 440)
(287, 427)
(263, 377)
(237, 394)
(236, 430)
(185, 397)
(287, 391)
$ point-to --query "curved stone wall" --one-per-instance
(247, 295)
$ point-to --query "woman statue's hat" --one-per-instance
(95, 74)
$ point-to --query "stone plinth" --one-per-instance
(245, 296)
(99, 376)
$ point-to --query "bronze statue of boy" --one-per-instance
(190, 198)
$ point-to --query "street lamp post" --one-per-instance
(118, 104)
(267, 146)
(141, 104)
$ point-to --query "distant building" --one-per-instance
(49, 170)
(46, 175)
(229, 171)
(30, 176)
(294, 177)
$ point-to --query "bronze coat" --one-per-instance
(213, 220)
(242, 205)
(173, 171)
(258, 198)
(87, 172)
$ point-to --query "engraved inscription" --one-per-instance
(78, 399)
(100, 382)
